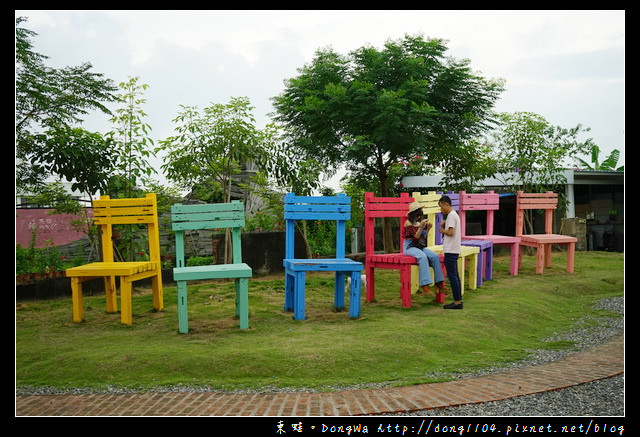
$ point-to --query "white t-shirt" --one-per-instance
(452, 244)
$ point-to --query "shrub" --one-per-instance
(199, 261)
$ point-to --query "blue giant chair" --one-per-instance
(316, 208)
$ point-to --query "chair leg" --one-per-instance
(519, 257)
(183, 316)
(338, 299)
(371, 284)
(405, 285)
(415, 279)
(488, 270)
(126, 313)
(473, 272)
(110, 294)
(547, 255)
(515, 259)
(156, 286)
(242, 302)
(461, 272)
(298, 299)
(354, 295)
(571, 253)
(540, 259)
(482, 255)
(289, 283)
(76, 299)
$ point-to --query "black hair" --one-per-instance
(445, 199)
(415, 214)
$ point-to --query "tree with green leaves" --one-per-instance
(374, 108)
(530, 154)
(210, 147)
(83, 158)
(49, 102)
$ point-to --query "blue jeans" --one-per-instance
(451, 264)
(425, 258)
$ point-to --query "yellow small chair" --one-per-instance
(430, 208)
(106, 213)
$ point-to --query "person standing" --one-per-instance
(450, 230)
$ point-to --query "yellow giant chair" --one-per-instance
(106, 213)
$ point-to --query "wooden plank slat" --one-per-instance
(388, 206)
(211, 224)
(210, 207)
(383, 200)
(317, 215)
(207, 216)
(548, 194)
(124, 220)
(480, 199)
(339, 199)
(540, 200)
(317, 208)
(482, 207)
(119, 203)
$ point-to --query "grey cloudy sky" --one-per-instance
(567, 66)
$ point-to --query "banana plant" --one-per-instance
(608, 164)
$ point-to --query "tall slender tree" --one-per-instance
(134, 146)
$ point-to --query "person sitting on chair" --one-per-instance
(414, 244)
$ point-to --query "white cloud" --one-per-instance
(566, 65)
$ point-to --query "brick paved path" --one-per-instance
(600, 362)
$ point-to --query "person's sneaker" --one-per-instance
(453, 306)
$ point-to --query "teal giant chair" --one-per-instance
(211, 216)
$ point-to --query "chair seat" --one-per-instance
(112, 269)
(392, 258)
(496, 239)
(464, 250)
(547, 239)
(332, 265)
(216, 271)
(482, 244)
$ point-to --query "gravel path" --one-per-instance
(598, 398)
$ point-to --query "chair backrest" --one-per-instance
(144, 210)
(375, 207)
(489, 202)
(432, 210)
(208, 216)
(336, 208)
(525, 201)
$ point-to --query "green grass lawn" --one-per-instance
(501, 320)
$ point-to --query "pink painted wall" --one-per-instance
(55, 227)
